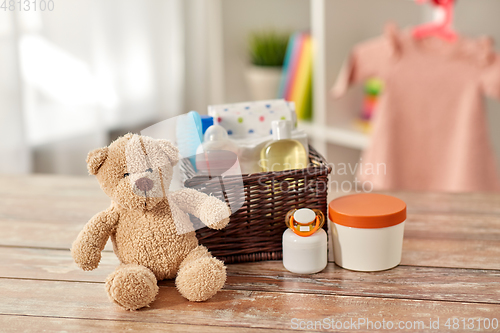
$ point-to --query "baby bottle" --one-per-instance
(304, 241)
(217, 154)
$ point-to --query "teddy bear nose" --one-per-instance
(144, 184)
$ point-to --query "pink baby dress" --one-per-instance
(429, 129)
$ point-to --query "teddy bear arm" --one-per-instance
(213, 212)
(188, 200)
(86, 249)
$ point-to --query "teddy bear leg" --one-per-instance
(132, 286)
(200, 275)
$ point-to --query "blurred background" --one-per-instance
(75, 77)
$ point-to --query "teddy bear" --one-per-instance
(149, 225)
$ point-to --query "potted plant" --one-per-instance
(267, 52)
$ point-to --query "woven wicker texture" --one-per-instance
(255, 230)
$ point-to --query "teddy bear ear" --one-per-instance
(95, 159)
(171, 151)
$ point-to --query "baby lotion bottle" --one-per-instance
(283, 153)
(305, 242)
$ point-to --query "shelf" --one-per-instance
(342, 136)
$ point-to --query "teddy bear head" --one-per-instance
(135, 171)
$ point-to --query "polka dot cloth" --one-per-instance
(251, 119)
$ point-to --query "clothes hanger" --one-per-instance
(443, 29)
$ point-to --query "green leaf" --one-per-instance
(268, 48)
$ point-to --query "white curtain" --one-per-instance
(14, 155)
(71, 75)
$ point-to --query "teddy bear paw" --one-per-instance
(87, 258)
(132, 286)
(214, 213)
(201, 279)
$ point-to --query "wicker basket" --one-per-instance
(255, 230)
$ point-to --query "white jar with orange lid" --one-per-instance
(368, 231)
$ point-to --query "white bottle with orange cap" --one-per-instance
(305, 242)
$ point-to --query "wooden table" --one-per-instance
(450, 269)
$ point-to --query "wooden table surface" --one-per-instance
(450, 270)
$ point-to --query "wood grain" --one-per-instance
(451, 245)
(56, 186)
(228, 308)
(31, 324)
(41, 234)
(46, 264)
(427, 283)
(453, 226)
(451, 268)
(456, 253)
(408, 282)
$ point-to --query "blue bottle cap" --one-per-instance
(206, 122)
